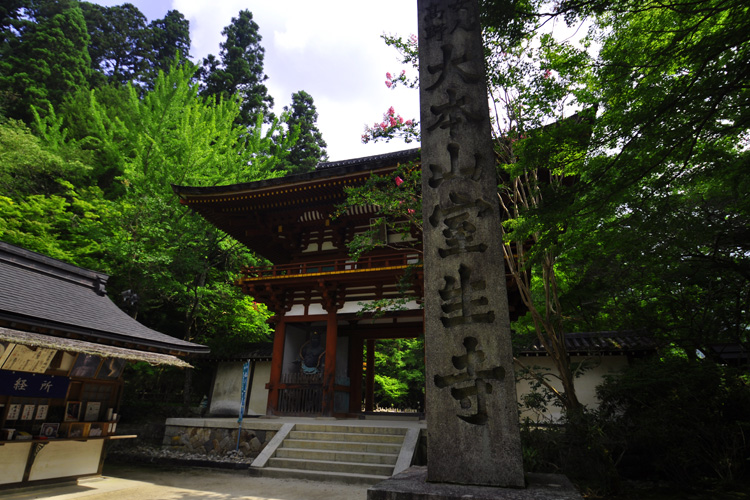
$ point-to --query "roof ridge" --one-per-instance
(43, 264)
(404, 153)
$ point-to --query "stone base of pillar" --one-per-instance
(412, 485)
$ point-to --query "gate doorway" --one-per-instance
(393, 376)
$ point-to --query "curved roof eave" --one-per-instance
(322, 171)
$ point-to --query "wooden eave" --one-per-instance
(262, 214)
(331, 289)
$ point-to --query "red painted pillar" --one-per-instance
(370, 374)
(277, 360)
(329, 372)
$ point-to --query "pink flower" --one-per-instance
(547, 73)
(388, 83)
(409, 122)
(410, 211)
(391, 111)
(400, 119)
(388, 75)
(393, 122)
(399, 180)
(403, 72)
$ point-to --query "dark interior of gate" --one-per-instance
(360, 385)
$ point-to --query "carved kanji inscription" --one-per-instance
(472, 385)
(464, 300)
(439, 173)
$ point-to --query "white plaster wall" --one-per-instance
(356, 306)
(348, 307)
(225, 399)
(67, 458)
(258, 400)
(585, 384)
(13, 461)
(296, 310)
(316, 309)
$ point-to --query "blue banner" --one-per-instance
(245, 375)
(33, 385)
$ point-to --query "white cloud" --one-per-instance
(329, 48)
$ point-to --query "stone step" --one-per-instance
(342, 446)
(344, 453)
(312, 475)
(332, 466)
(347, 436)
(357, 429)
(338, 456)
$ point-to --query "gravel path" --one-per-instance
(153, 482)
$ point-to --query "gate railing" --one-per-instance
(301, 393)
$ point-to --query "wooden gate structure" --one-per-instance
(312, 286)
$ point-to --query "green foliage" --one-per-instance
(664, 183)
(309, 149)
(399, 207)
(179, 267)
(168, 40)
(680, 419)
(578, 448)
(177, 137)
(29, 166)
(239, 69)
(116, 116)
(118, 42)
(124, 49)
(67, 227)
(399, 374)
(47, 59)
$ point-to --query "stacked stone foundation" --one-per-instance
(217, 436)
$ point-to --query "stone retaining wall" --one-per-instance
(217, 436)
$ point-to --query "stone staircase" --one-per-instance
(343, 453)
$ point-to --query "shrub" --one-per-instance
(681, 420)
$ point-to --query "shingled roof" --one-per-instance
(605, 342)
(44, 295)
(323, 170)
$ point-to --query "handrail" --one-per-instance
(333, 265)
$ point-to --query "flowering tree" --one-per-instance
(533, 83)
(392, 126)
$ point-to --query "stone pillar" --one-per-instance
(472, 418)
(277, 360)
(329, 370)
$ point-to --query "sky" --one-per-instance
(332, 49)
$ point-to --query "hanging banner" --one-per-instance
(33, 385)
(243, 392)
(245, 375)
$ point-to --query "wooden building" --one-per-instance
(314, 288)
(63, 347)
